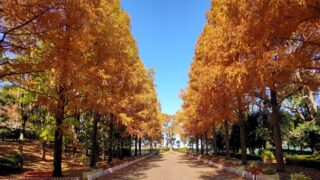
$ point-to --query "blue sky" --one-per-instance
(166, 32)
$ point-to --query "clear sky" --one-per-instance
(166, 32)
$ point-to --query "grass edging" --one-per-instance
(237, 171)
(102, 172)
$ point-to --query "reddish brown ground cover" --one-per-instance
(71, 165)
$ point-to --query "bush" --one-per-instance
(267, 155)
(83, 158)
(18, 160)
(268, 171)
(14, 162)
(253, 165)
(299, 176)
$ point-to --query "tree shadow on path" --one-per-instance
(209, 172)
(135, 171)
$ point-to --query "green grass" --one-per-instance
(310, 161)
(182, 150)
(303, 157)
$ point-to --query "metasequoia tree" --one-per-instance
(84, 63)
(256, 48)
(21, 24)
(144, 110)
(265, 50)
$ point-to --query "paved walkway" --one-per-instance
(169, 167)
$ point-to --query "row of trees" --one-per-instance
(71, 61)
(254, 56)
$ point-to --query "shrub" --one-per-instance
(299, 176)
(83, 158)
(253, 165)
(14, 162)
(18, 160)
(267, 155)
(268, 171)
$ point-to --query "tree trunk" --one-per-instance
(242, 133)
(136, 146)
(118, 147)
(206, 141)
(87, 151)
(314, 104)
(57, 155)
(215, 149)
(276, 130)
(140, 152)
(103, 148)
(201, 145)
(121, 147)
(75, 139)
(93, 158)
(43, 150)
(191, 144)
(110, 139)
(22, 132)
(129, 145)
(150, 143)
(227, 138)
(197, 144)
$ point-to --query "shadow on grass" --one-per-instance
(136, 171)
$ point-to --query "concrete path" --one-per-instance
(174, 166)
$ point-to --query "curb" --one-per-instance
(232, 170)
(102, 172)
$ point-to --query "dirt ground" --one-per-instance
(32, 159)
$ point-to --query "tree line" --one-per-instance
(72, 64)
(256, 58)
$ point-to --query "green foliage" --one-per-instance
(83, 158)
(6, 98)
(4, 132)
(268, 171)
(299, 176)
(267, 155)
(14, 162)
(257, 130)
(43, 125)
(163, 150)
(253, 165)
(47, 134)
(303, 157)
(183, 150)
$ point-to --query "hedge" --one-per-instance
(14, 162)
